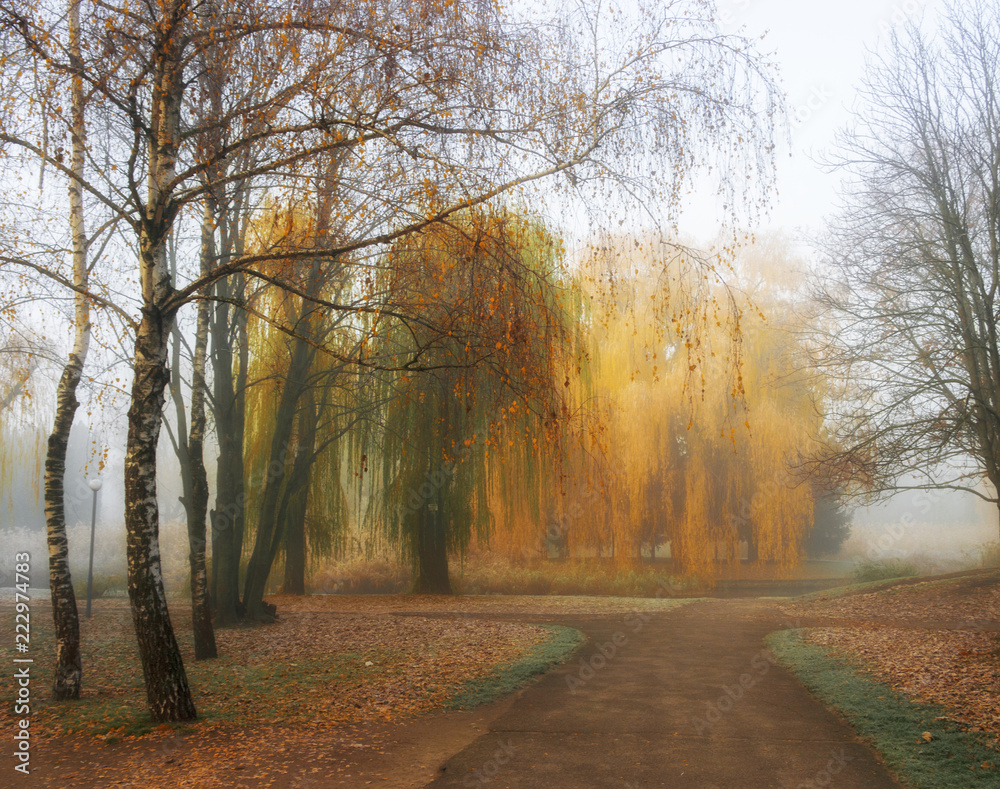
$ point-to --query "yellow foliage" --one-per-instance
(697, 415)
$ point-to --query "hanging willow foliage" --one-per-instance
(489, 355)
(306, 394)
(22, 435)
(697, 412)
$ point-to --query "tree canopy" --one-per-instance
(911, 304)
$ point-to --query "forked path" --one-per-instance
(682, 698)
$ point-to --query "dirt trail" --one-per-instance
(686, 698)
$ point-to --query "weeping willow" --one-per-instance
(22, 436)
(307, 393)
(698, 413)
(479, 386)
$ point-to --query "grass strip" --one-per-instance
(561, 643)
(903, 582)
(892, 723)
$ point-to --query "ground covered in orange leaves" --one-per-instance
(934, 641)
(339, 691)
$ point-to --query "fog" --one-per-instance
(22, 515)
(936, 530)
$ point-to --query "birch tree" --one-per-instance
(68, 670)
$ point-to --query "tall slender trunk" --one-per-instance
(268, 535)
(295, 544)
(227, 517)
(68, 665)
(167, 690)
(197, 508)
(195, 477)
(297, 499)
(229, 331)
(269, 524)
(189, 446)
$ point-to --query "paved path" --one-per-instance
(683, 698)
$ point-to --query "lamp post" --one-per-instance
(95, 485)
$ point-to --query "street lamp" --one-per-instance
(95, 485)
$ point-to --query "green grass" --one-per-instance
(103, 586)
(840, 591)
(559, 646)
(883, 569)
(892, 723)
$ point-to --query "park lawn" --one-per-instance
(314, 668)
(915, 666)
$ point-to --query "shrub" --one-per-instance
(104, 586)
(882, 569)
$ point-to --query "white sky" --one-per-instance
(820, 49)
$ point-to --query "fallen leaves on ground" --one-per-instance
(307, 667)
(967, 601)
(277, 692)
(935, 641)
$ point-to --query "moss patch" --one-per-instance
(558, 647)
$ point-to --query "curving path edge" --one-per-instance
(688, 697)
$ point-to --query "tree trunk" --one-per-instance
(677, 558)
(297, 499)
(68, 665)
(189, 446)
(201, 612)
(432, 553)
(167, 688)
(295, 545)
(268, 536)
(228, 405)
(431, 576)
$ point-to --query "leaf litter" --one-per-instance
(935, 641)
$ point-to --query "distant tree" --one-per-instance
(831, 524)
(912, 308)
